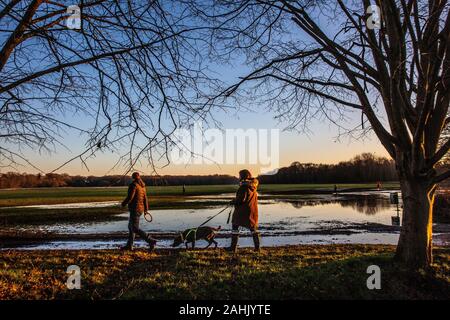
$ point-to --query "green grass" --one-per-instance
(300, 272)
(42, 196)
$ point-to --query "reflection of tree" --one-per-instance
(367, 204)
(298, 204)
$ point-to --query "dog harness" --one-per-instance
(183, 238)
(194, 230)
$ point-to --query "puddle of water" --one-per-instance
(281, 220)
(244, 242)
(276, 216)
(81, 205)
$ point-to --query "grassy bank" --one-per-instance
(300, 272)
(43, 196)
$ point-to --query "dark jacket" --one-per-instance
(137, 197)
(246, 204)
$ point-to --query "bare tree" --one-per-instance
(133, 68)
(315, 57)
(445, 136)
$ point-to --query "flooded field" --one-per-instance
(363, 217)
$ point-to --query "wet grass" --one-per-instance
(296, 272)
(44, 196)
(10, 216)
(31, 216)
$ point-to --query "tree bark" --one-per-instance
(414, 248)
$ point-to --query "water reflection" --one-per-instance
(367, 204)
(277, 215)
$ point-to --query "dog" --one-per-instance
(192, 235)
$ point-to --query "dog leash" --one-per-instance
(228, 205)
(148, 216)
(195, 229)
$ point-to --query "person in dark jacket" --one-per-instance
(137, 204)
(245, 209)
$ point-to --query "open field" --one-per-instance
(296, 272)
(42, 196)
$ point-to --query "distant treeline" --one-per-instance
(362, 168)
(24, 180)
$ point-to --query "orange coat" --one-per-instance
(137, 197)
(246, 204)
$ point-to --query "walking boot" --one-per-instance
(151, 242)
(127, 247)
(256, 241)
(234, 242)
(130, 242)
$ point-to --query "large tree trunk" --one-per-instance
(414, 248)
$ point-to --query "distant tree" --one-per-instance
(17, 180)
(362, 168)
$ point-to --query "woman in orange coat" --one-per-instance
(137, 204)
(245, 209)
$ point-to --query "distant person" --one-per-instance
(335, 190)
(184, 189)
(137, 204)
(379, 186)
(245, 209)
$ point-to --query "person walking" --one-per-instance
(245, 210)
(137, 204)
